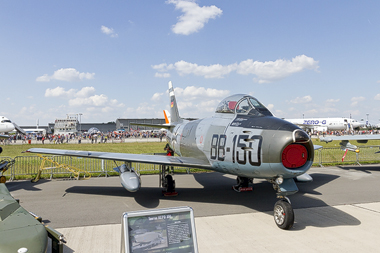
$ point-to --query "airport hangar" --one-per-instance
(119, 124)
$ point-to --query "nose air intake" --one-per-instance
(295, 155)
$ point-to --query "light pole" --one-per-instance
(80, 123)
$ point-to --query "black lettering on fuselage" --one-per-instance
(245, 149)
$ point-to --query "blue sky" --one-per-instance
(114, 59)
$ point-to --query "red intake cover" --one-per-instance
(294, 156)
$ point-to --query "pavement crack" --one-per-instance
(365, 208)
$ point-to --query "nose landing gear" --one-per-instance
(283, 214)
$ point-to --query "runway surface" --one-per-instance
(339, 210)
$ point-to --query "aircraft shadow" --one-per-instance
(25, 185)
(218, 190)
(367, 168)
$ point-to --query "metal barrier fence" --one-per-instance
(28, 166)
(335, 155)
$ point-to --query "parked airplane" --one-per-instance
(7, 126)
(326, 124)
(243, 138)
(345, 144)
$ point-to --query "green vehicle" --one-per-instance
(20, 230)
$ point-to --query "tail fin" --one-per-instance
(174, 114)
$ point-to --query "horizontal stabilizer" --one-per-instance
(152, 125)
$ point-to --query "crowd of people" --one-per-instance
(98, 137)
(349, 132)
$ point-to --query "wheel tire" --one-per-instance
(283, 215)
(169, 183)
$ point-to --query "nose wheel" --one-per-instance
(283, 214)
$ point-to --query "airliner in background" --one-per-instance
(327, 124)
(7, 126)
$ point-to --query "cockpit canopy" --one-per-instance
(244, 105)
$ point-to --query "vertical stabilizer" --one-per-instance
(174, 114)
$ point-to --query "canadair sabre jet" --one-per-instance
(242, 138)
(345, 144)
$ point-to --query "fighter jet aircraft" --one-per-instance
(345, 144)
(242, 138)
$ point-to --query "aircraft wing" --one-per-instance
(350, 138)
(126, 157)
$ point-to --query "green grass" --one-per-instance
(126, 147)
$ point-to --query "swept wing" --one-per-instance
(359, 138)
(126, 157)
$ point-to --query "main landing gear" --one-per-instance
(242, 184)
(167, 182)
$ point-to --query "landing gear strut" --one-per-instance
(242, 184)
(167, 182)
(283, 212)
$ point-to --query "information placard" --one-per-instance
(159, 230)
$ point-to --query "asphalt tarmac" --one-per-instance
(339, 210)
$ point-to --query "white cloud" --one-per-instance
(211, 71)
(192, 92)
(109, 31)
(59, 92)
(163, 67)
(355, 100)
(265, 71)
(85, 92)
(302, 100)
(377, 97)
(332, 101)
(95, 100)
(194, 17)
(274, 70)
(67, 74)
(157, 96)
(84, 97)
(162, 75)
